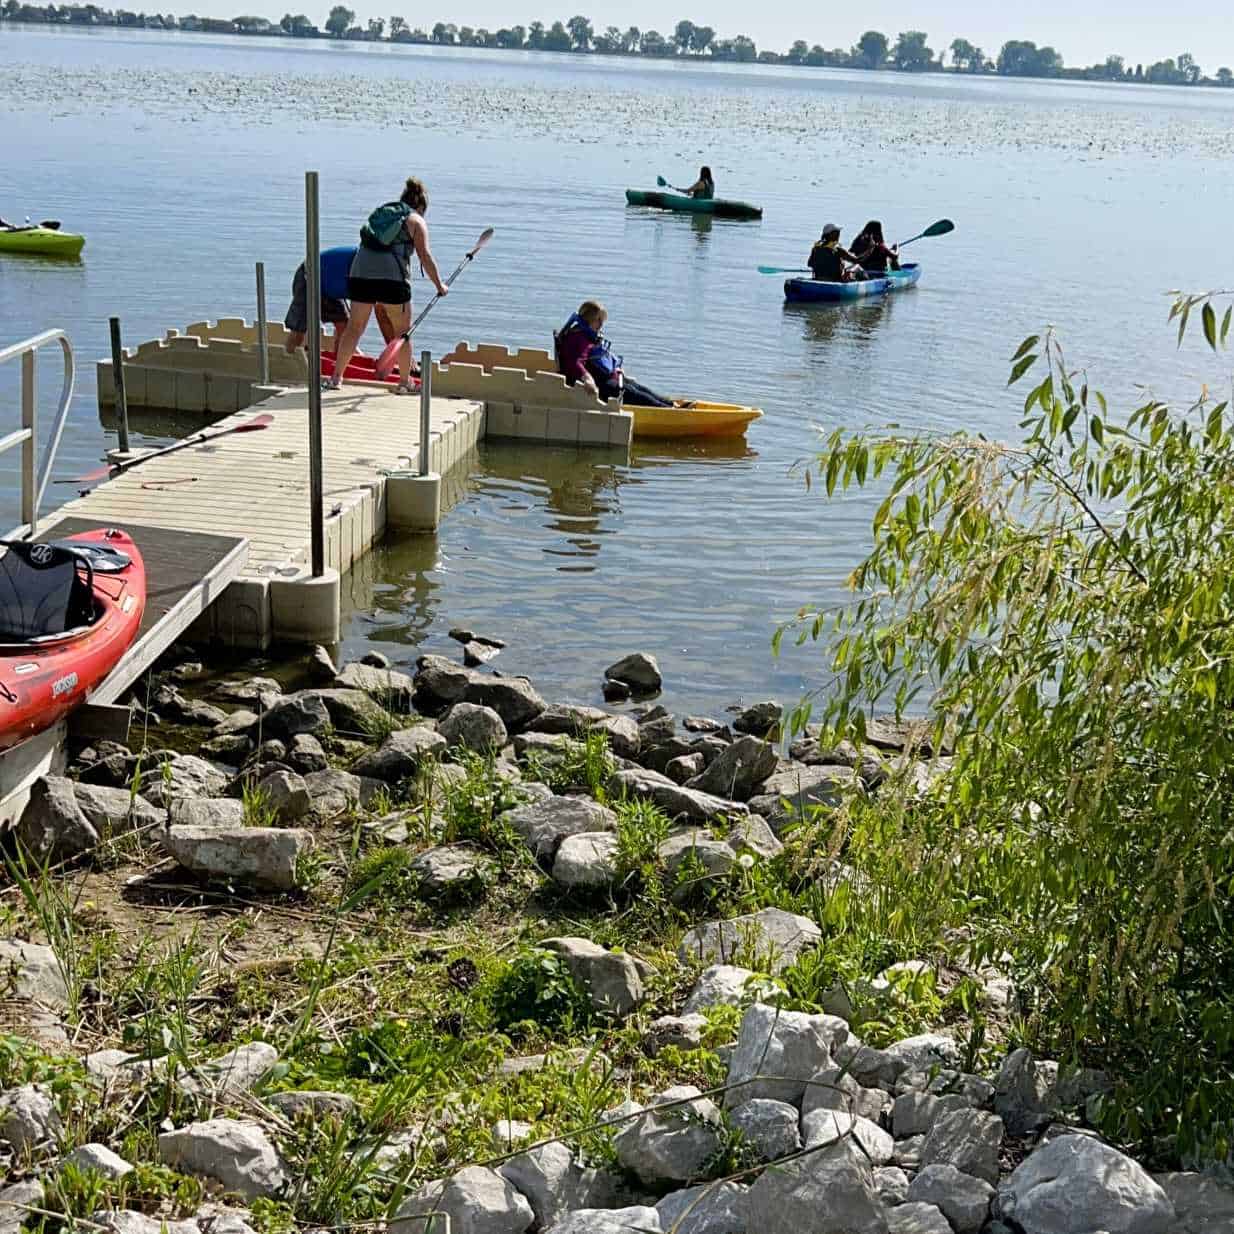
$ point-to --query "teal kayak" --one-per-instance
(693, 205)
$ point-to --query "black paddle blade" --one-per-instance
(941, 228)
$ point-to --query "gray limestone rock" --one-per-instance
(476, 1200)
(771, 1128)
(639, 671)
(264, 856)
(16, 1201)
(231, 749)
(892, 1184)
(1076, 1184)
(335, 792)
(302, 712)
(232, 1074)
(237, 1154)
(126, 1221)
(683, 767)
(963, 1198)
(925, 1051)
(611, 979)
(788, 1047)
(870, 1067)
(439, 682)
(543, 824)
(915, 1113)
(715, 1208)
(967, 1139)
(555, 1182)
(678, 802)
(451, 873)
(259, 693)
(305, 754)
(761, 719)
(683, 1032)
(699, 852)
(31, 972)
(239, 723)
(835, 1089)
(28, 1119)
(571, 719)
(1024, 1093)
(52, 826)
(286, 795)
(672, 1140)
(587, 861)
(1202, 1203)
(100, 1159)
(207, 812)
(773, 937)
(917, 1218)
(472, 727)
(821, 1127)
(114, 811)
(828, 1192)
(738, 771)
(721, 985)
(185, 775)
(635, 1220)
(514, 699)
(401, 755)
(622, 733)
(788, 794)
(352, 713)
(386, 686)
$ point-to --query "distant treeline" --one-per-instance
(908, 53)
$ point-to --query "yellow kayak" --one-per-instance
(50, 242)
(700, 420)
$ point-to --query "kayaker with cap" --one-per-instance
(585, 358)
(872, 252)
(704, 188)
(829, 263)
(380, 274)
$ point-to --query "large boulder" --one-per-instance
(185, 775)
(263, 856)
(777, 1053)
(739, 770)
(770, 1128)
(472, 727)
(828, 1192)
(52, 825)
(543, 824)
(476, 1200)
(610, 979)
(207, 812)
(639, 671)
(681, 804)
(237, 1154)
(571, 719)
(302, 712)
(1075, 1184)
(439, 683)
(1203, 1204)
(772, 937)
(672, 1140)
(114, 811)
(401, 755)
(792, 792)
(514, 699)
(352, 713)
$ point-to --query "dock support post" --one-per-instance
(413, 499)
(117, 376)
(29, 445)
(312, 273)
(263, 343)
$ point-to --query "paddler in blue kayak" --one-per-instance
(871, 250)
(586, 359)
(829, 263)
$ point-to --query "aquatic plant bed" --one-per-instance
(396, 944)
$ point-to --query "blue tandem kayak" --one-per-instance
(809, 291)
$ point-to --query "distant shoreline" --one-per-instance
(642, 46)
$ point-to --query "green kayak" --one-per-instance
(694, 205)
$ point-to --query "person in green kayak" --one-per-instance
(585, 358)
(872, 252)
(704, 188)
(829, 263)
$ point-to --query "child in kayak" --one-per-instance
(584, 356)
(829, 263)
(872, 252)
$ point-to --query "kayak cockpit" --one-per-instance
(47, 593)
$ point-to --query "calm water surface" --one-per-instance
(182, 159)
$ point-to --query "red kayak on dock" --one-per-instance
(69, 610)
(361, 368)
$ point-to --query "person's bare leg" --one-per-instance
(360, 314)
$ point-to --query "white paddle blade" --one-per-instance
(485, 236)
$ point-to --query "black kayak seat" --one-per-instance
(45, 590)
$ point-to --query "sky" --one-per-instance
(1083, 31)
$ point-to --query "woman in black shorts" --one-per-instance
(381, 274)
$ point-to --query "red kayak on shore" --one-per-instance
(69, 610)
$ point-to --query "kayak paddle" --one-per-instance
(114, 469)
(941, 228)
(389, 355)
(662, 183)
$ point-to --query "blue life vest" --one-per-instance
(601, 362)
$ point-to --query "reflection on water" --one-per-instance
(854, 323)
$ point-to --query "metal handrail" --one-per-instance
(27, 435)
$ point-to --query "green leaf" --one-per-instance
(1025, 347)
(1020, 368)
(1225, 323)
(1209, 319)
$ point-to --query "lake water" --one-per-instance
(182, 157)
